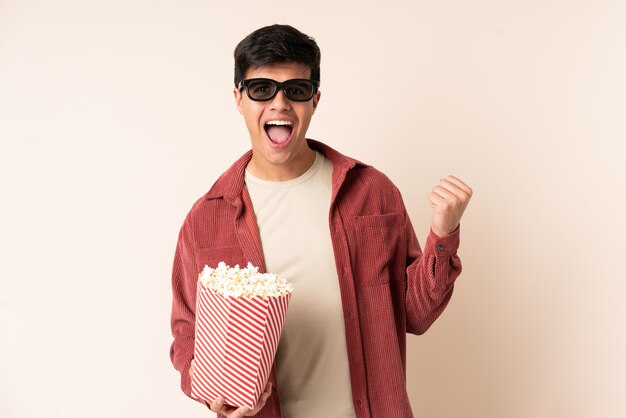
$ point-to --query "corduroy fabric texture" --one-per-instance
(388, 285)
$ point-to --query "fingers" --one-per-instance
(446, 192)
(456, 187)
(267, 392)
(263, 399)
(191, 368)
(441, 196)
(258, 406)
(264, 396)
(230, 412)
(218, 405)
(451, 190)
(239, 412)
(435, 199)
(459, 184)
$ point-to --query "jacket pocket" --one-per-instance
(380, 254)
(231, 255)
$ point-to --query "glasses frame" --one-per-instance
(278, 86)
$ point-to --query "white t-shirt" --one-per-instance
(311, 359)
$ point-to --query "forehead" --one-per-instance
(280, 71)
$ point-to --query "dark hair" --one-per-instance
(276, 43)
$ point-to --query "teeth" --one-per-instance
(279, 122)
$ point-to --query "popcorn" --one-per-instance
(246, 282)
(239, 318)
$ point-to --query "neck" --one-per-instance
(265, 170)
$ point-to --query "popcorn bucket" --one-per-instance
(236, 340)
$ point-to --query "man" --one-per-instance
(333, 226)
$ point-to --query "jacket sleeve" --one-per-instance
(184, 279)
(430, 276)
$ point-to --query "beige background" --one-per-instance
(115, 116)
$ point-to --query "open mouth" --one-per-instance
(279, 131)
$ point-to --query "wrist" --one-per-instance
(442, 233)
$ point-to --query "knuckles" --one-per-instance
(460, 197)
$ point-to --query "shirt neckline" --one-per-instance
(315, 167)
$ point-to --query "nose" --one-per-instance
(280, 102)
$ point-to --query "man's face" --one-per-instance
(278, 126)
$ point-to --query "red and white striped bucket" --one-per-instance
(236, 340)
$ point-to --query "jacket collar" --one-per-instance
(231, 183)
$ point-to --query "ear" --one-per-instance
(237, 94)
(316, 99)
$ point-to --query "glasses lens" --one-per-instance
(299, 90)
(261, 89)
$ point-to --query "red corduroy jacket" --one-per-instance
(388, 285)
